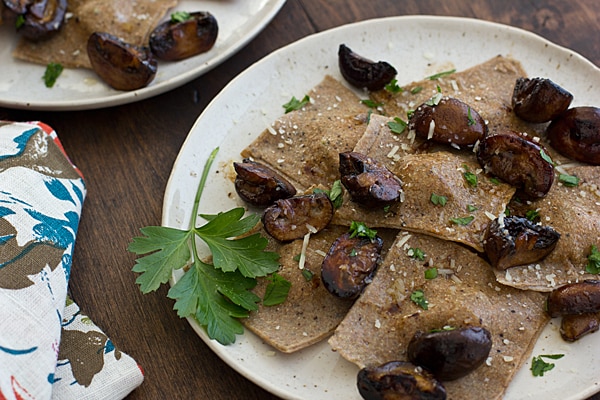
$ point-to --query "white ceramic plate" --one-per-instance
(22, 86)
(418, 47)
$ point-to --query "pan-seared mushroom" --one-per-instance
(121, 65)
(185, 37)
(350, 264)
(259, 185)
(368, 182)
(15, 7)
(513, 240)
(450, 354)
(539, 99)
(574, 327)
(574, 298)
(576, 134)
(290, 219)
(448, 121)
(362, 72)
(40, 18)
(398, 380)
(518, 161)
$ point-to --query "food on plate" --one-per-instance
(539, 99)
(184, 35)
(362, 72)
(513, 240)
(521, 162)
(450, 353)
(294, 217)
(575, 326)
(121, 65)
(449, 121)
(368, 182)
(575, 298)
(350, 264)
(576, 134)
(260, 185)
(37, 20)
(398, 380)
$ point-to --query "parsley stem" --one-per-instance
(203, 178)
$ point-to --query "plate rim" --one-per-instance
(219, 349)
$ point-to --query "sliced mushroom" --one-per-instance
(450, 354)
(350, 264)
(121, 65)
(514, 240)
(574, 327)
(176, 40)
(575, 298)
(539, 99)
(448, 121)
(362, 72)
(40, 18)
(398, 380)
(259, 185)
(576, 134)
(15, 7)
(368, 182)
(518, 161)
(290, 219)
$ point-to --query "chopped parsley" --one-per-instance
(532, 215)
(393, 87)
(215, 293)
(416, 253)
(397, 126)
(495, 181)
(568, 180)
(416, 89)
(180, 16)
(445, 328)
(434, 100)
(471, 208)
(462, 220)
(470, 177)
(539, 366)
(277, 290)
(20, 21)
(53, 71)
(593, 265)
(418, 297)
(546, 157)
(307, 274)
(295, 104)
(370, 103)
(335, 194)
(359, 229)
(470, 120)
(431, 273)
(441, 74)
(438, 200)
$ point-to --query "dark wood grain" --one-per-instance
(127, 152)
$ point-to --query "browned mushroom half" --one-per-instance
(121, 65)
(362, 72)
(398, 380)
(350, 264)
(518, 161)
(368, 182)
(290, 219)
(576, 134)
(12, 8)
(539, 99)
(39, 19)
(260, 185)
(574, 298)
(185, 36)
(450, 354)
(449, 121)
(574, 327)
(513, 240)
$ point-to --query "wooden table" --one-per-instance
(127, 153)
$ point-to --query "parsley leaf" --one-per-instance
(434, 100)
(568, 180)
(295, 104)
(438, 200)
(431, 273)
(462, 220)
(370, 103)
(546, 157)
(214, 294)
(180, 16)
(416, 253)
(397, 126)
(51, 74)
(532, 215)
(416, 89)
(539, 366)
(335, 194)
(393, 87)
(470, 177)
(418, 297)
(441, 74)
(359, 229)
(470, 120)
(593, 265)
(277, 290)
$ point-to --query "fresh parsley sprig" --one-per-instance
(216, 294)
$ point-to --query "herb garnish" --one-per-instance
(568, 180)
(277, 290)
(416, 89)
(53, 71)
(295, 104)
(431, 273)
(370, 103)
(180, 16)
(359, 229)
(470, 120)
(397, 126)
(593, 265)
(434, 100)
(416, 253)
(539, 366)
(214, 294)
(418, 297)
(471, 208)
(438, 200)
(470, 177)
(441, 74)
(462, 220)
(546, 157)
(335, 194)
(307, 274)
(532, 215)
(393, 87)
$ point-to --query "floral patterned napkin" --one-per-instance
(48, 348)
